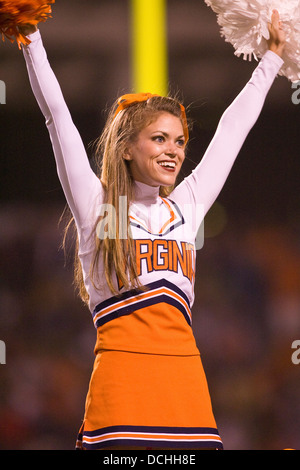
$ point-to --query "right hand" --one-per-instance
(27, 29)
(277, 39)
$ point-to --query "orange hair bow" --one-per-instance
(126, 101)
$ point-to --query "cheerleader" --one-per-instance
(135, 264)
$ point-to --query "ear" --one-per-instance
(127, 154)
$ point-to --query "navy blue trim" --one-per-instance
(170, 229)
(151, 429)
(131, 293)
(162, 443)
(128, 309)
(134, 224)
(155, 444)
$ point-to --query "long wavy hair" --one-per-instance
(118, 254)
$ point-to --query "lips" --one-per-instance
(168, 165)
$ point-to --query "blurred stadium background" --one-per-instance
(247, 309)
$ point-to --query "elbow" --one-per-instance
(58, 115)
(236, 124)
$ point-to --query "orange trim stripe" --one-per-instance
(173, 217)
(143, 439)
(142, 297)
(157, 437)
(140, 222)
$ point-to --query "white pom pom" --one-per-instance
(244, 24)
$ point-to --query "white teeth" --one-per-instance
(170, 164)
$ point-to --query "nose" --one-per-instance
(171, 151)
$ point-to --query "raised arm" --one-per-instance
(206, 181)
(80, 184)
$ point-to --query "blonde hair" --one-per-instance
(113, 170)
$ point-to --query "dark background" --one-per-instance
(247, 308)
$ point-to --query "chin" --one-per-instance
(169, 182)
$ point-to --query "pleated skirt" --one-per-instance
(148, 401)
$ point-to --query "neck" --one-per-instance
(145, 193)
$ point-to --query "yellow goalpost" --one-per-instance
(149, 46)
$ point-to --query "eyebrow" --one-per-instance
(165, 134)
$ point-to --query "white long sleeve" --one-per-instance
(206, 181)
(80, 184)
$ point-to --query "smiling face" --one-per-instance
(156, 156)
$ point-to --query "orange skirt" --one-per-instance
(148, 400)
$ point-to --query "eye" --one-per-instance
(158, 138)
(180, 142)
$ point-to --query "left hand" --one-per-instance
(27, 29)
(277, 39)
